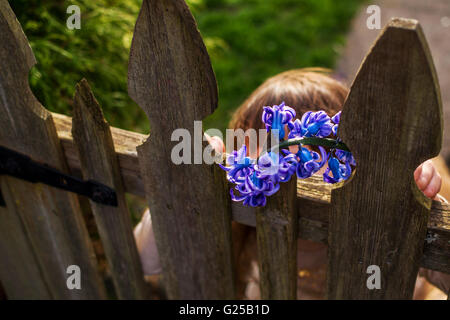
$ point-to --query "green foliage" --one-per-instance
(97, 52)
(252, 40)
(248, 40)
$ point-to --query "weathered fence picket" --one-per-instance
(391, 121)
(50, 217)
(19, 269)
(98, 160)
(381, 214)
(171, 79)
(276, 234)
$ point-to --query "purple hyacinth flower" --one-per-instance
(336, 118)
(339, 171)
(345, 157)
(256, 180)
(292, 160)
(310, 162)
(253, 190)
(295, 129)
(239, 166)
(272, 165)
(312, 124)
(277, 117)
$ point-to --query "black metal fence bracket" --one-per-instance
(20, 166)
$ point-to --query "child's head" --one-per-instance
(302, 89)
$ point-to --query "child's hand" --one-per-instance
(428, 180)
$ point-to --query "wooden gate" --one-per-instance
(391, 120)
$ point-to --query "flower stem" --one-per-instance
(313, 141)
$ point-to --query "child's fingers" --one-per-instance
(425, 175)
(434, 186)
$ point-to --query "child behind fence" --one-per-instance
(304, 90)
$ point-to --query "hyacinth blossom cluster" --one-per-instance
(256, 179)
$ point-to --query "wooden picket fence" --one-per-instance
(392, 121)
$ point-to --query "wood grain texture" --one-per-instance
(392, 122)
(19, 269)
(51, 218)
(439, 216)
(93, 139)
(171, 79)
(313, 220)
(125, 144)
(276, 234)
(313, 194)
(436, 253)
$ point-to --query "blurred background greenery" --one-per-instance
(248, 41)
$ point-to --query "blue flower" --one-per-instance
(345, 157)
(256, 180)
(277, 168)
(239, 166)
(336, 118)
(339, 171)
(310, 162)
(253, 190)
(312, 124)
(295, 129)
(277, 117)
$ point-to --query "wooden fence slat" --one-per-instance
(125, 144)
(19, 269)
(171, 78)
(392, 121)
(276, 234)
(51, 217)
(93, 139)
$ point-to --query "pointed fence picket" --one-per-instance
(380, 213)
(92, 136)
(50, 218)
(171, 78)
